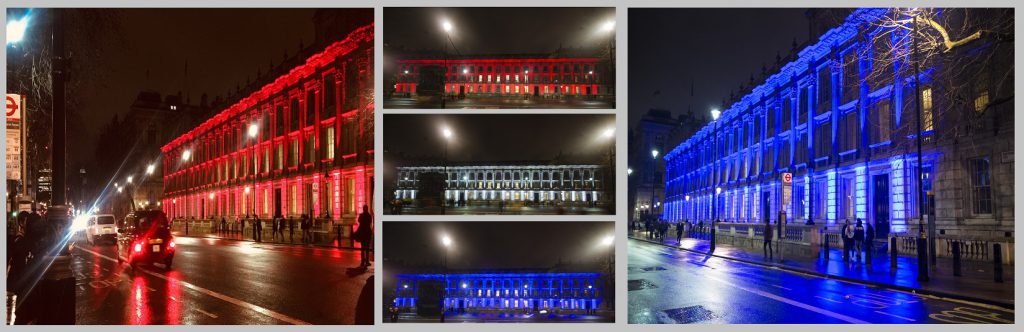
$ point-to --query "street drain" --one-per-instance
(653, 268)
(689, 315)
(639, 284)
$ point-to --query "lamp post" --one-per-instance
(447, 133)
(609, 179)
(444, 50)
(609, 242)
(447, 242)
(654, 166)
(254, 130)
(609, 27)
(714, 164)
(186, 156)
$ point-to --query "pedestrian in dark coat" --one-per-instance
(679, 231)
(291, 229)
(858, 238)
(847, 233)
(257, 229)
(869, 241)
(365, 235)
(769, 234)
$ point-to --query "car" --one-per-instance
(101, 227)
(144, 237)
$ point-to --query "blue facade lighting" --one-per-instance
(504, 292)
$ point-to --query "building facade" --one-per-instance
(567, 184)
(507, 76)
(842, 120)
(505, 292)
(312, 152)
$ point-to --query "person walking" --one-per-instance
(769, 234)
(679, 232)
(302, 227)
(847, 233)
(223, 225)
(858, 238)
(257, 229)
(365, 236)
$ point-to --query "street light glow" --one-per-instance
(447, 26)
(119, 189)
(608, 26)
(610, 132)
(186, 155)
(447, 241)
(654, 153)
(149, 169)
(608, 240)
(718, 190)
(715, 113)
(446, 132)
(253, 130)
(629, 171)
(16, 30)
(130, 179)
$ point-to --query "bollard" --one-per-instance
(827, 246)
(922, 259)
(956, 258)
(892, 254)
(997, 259)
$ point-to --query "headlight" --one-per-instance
(79, 223)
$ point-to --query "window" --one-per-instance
(265, 124)
(787, 113)
(848, 132)
(824, 90)
(819, 208)
(757, 129)
(882, 120)
(310, 107)
(847, 198)
(802, 106)
(926, 110)
(352, 84)
(279, 121)
(266, 159)
(294, 111)
(881, 64)
(328, 142)
(801, 149)
(293, 153)
(980, 98)
(851, 77)
(823, 140)
(308, 143)
(770, 126)
(981, 185)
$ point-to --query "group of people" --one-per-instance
(857, 239)
(39, 269)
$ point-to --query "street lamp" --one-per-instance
(447, 242)
(654, 166)
(608, 26)
(149, 169)
(447, 133)
(715, 113)
(186, 156)
(629, 171)
(254, 130)
(609, 242)
(447, 26)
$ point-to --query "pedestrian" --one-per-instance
(223, 224)
(241, 230)
(869, 241)
(768, 237)
(365, 236)
(274, 223)
(858, 238)
(847, 233)
(302, 227)
(679, 232)
(257, 229)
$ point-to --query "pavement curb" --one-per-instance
(939, 293)
(274, 243)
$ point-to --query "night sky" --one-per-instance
(715, 49)
(222, 48)
(496, 30)
(498, 137)
(495, 245)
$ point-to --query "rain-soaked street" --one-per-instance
(223, 282)
(668, 285)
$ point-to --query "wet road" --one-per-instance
(221, 282)
(674, 286)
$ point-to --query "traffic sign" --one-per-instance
(787, 178)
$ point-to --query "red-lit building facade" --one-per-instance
(312, 152)
(508, 76)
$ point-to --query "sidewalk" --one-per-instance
(321, 239)
(975, 285)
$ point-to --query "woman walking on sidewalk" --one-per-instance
(768, 234)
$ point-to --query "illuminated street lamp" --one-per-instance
(447, 26)
(654, 155)
(715, 113)
(447, 133)
(629, 171)
(186, 156)
(130, 179)
(447, 242)
(254, 130)
(149, 169)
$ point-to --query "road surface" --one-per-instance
(216, 281)
(668, 285)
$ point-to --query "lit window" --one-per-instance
(926, 110)
(981, 101)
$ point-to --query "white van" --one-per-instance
(101, 227)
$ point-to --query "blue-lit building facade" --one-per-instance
(841, 117)
(506, 292)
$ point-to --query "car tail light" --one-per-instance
(138, 247)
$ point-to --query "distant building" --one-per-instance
(502, 292)
(561, 74)
(656, 131)
(569, 184)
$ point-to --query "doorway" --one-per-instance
(880, 209)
